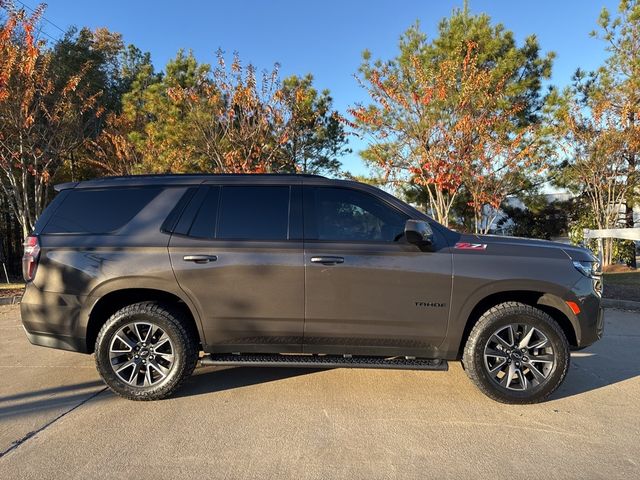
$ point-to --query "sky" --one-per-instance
(325, 38)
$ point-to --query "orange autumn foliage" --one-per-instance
(39, 122)
(445, 127)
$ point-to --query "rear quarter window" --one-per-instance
(98, 211)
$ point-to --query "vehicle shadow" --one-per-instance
(206, 380)
(589, 371)
(592, 370)
(610, 361)
(51, 391)
(46, 400)
(216, 379)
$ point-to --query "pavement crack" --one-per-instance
(33, 433)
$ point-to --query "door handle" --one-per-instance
(200, 258)
(327, 260)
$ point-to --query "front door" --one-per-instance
(240, 260)
(368, 291)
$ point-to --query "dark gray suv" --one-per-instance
(296, 270)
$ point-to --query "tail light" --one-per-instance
(30, 257)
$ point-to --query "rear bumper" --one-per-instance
(52, 319)
(56, 341)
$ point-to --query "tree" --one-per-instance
(113, 152)
(316, 135)
(249, 123)
(538, 218)
(111, 66)
(237, 117)
(168, 138)
(588, 130)
(620, 78)
(446, 123)
(39, 116)
(119, 148)
(225, 119)
(96, 53)
(518, 70)
(596, 120)
(462, 113)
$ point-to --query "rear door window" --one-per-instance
(254, 213)
(97, 211)
(204, 225)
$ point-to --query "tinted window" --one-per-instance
(342, 214)
(170, 222)
(99, 211)
(205, 223)
(254, 213)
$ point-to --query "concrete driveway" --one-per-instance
(58, 421)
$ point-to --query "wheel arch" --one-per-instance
(547, 302)
(113, 301)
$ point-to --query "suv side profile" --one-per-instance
(296, 270)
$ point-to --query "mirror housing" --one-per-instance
(418, 232)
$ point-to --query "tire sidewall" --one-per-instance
(540, 321)
(103, 363)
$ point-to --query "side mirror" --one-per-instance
(418, 232)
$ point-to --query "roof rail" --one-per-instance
(64, 186)
(160, 175)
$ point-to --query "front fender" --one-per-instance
(489, 294)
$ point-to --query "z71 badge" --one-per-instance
(470, 246)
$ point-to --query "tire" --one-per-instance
(526, 376)
(145, 351)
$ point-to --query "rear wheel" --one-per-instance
(516, 354)
(144, 351)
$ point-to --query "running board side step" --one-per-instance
(324, 361)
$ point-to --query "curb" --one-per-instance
(11, 300)
(621, 304)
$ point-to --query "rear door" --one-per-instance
(367, 290)
(237, 253)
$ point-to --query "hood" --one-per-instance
(516, 243)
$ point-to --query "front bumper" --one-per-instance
(589, 323)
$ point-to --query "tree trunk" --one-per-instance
(633, 178)
(73, 166)
(630, 204)
(629, 223)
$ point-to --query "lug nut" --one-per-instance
(137, 356)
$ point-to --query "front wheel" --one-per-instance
(144, 351)
(517, 354)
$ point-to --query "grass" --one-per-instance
(623, 278)
(622, 286)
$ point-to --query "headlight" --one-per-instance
(588, 269)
